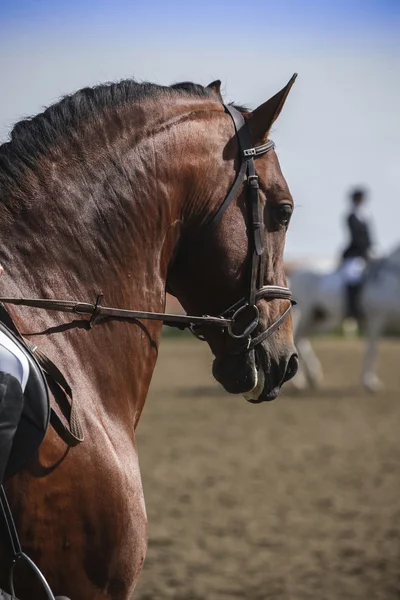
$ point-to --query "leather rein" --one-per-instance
(229, 317)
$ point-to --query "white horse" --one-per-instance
(321, 308)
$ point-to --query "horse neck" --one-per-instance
(112, 195)
(109, 224)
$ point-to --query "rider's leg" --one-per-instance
(353, 300)
(11, 403)
(14, 373)
(352, 274)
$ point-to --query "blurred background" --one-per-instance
(300, 498)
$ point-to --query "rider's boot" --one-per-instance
(353, 301)
(11, 403)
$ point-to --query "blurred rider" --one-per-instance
(357, 254)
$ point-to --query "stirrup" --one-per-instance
(18, 555)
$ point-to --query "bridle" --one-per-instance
(257, 290)
(229, 318)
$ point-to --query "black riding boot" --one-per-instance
(11, 403)
(353, 301)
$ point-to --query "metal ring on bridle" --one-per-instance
(250, 327)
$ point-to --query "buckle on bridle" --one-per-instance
(96, 312)
(250, 152)
(252, 181)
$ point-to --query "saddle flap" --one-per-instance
(35, 414)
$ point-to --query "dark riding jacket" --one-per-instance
(360, 238)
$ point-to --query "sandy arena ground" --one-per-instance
(298, 499)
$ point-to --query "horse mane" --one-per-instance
(31, 138)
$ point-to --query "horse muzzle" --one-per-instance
(255, 375)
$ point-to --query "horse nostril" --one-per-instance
(291, 369)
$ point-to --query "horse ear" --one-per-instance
(216, 87)
(262, 118)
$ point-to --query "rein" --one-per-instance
(228, 319)
(95, 311)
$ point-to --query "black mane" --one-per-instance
(31, 138)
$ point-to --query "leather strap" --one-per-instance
(62, 392)
(96, 310)
(247, 153)
(230, 197)
(253, 196)
(272, 292)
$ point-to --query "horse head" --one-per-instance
(214, 263)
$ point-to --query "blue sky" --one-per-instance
(340, 127)
(233, 23)
(340, 13)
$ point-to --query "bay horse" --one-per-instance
(108, 190)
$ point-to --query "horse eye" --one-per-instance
(283, 214)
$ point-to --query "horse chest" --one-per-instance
(90, 510)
